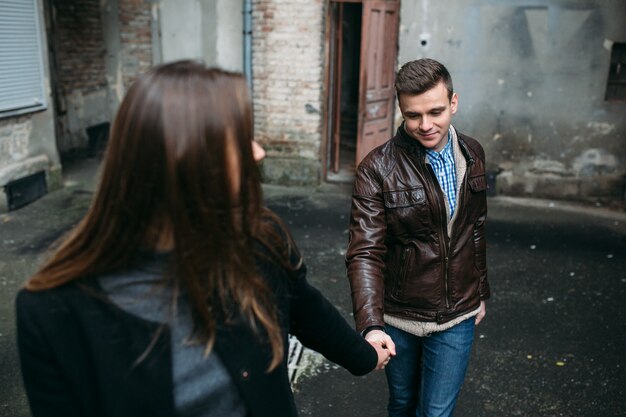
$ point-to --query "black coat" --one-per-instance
(79, 352)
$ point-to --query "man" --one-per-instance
(416, 254)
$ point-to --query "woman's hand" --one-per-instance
(384, 355)
(385, 348)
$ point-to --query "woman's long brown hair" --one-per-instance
(169, 166)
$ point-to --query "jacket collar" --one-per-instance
(406, 142)
(412, 146)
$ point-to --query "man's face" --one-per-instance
(427, 116)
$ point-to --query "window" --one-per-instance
(616, 85)
(21, 63)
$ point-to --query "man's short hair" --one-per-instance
(417, 77)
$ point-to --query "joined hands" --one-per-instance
(385, 348)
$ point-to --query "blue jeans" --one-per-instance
(426, 375)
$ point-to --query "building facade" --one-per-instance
(541, 82)
(89, 51)
(81, 58)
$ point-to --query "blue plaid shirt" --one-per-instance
(445, 171)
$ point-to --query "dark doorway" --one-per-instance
(344, 100)
(362, 39)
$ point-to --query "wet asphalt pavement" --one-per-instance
(553, 342)
(554, 339)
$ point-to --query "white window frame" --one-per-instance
(22, 88)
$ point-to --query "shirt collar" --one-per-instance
(446, 151)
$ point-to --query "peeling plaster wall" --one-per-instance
(531, 78)
(27, 146)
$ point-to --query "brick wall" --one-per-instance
(80, 47)
(80, 52)
(135, 38)
(97, 55)
(288, 72)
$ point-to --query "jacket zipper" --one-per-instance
(443, 233)
(444, 224)
(443, 230)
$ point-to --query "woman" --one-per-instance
(176, 293)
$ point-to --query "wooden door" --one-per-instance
(379, 47)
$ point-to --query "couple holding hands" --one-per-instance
(176, 293)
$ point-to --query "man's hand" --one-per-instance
(481, 314)
(383, 339)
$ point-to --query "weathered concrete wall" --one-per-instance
(206, 30)
(531, 77)
(27, 142)
(27, 146)
(288, 70)
(228, 32)
(181, 27)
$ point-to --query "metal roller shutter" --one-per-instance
(21, 63)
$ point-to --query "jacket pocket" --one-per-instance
(478, 183)
(403, 267)
(406, 212)
(409, 283)
(477, 198)
(404, 198)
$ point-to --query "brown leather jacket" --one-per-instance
(400, 258)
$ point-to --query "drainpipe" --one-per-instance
(247, 41)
